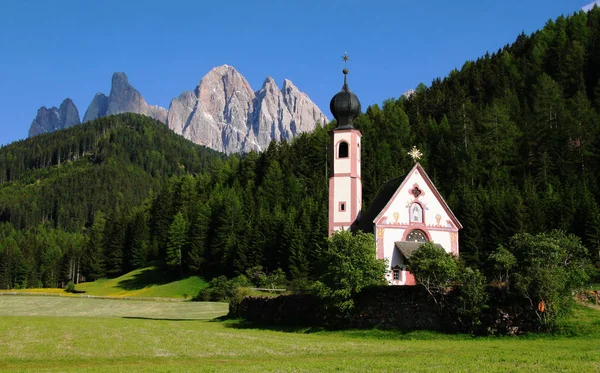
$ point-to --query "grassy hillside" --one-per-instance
(152, 281)
(100, 344)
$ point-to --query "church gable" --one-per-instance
(416, 202)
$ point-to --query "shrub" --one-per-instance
(70, 287)
(472, 296)
(236, 299)
(349, 265)
(276, 279)
(550, 266)
(434, 269)
(221, 289)
(502, 262)
(257, 276)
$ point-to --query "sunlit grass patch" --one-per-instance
(152, 281)
(170, 337)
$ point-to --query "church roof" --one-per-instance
(406, 248)
(387, 193)
(383, 196)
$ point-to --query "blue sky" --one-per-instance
(70, 48)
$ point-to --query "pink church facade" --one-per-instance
(405, 213)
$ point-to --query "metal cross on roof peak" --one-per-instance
(346, 58)
(415, 154)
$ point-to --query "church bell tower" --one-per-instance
(345, 185)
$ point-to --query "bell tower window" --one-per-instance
(343, 150)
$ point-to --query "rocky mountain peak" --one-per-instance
(270, 85)
(120, 83)
(224, 113)
(123, 98)
(50, 120)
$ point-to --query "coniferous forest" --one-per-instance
(512, 141)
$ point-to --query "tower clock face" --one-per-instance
(416, 236)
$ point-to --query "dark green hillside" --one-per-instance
(110, 164)
(54, 187)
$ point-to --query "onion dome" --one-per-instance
(345, 106)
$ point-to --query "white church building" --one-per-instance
(405, 213)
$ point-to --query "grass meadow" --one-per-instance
(56, 334)
(153, 281)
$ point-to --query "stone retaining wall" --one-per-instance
(387, 307)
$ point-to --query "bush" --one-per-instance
(238, 295)
(301, 285)
(472, 296)
(349, 265)
(276, 279)
(550, 266)
(221, 289)
(70, 287)
(502, 262)
(434, 269)
(260, 279)
(257, 276)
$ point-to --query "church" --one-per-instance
(406, 212)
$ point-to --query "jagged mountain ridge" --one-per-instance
(50, 120)
(223, 112)
(123, 98)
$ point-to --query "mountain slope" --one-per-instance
(108, 164)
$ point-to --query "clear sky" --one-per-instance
(51, 50)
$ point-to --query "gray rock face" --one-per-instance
(50, 120)
(225, 114)
(123, 98)
(222, 113)
(97, 108)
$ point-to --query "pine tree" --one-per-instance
(138, 240)
(114, 244)
(198, 237)
(93, 256)
(177, 242)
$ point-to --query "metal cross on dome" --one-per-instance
(346, 58)
(415, 154)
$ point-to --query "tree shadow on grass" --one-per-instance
(157, 318)
(359, 333)
(243, 324)
(155, 275)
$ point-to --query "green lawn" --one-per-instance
(153, 343)
(70, 307)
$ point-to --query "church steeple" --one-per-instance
(345, 185)
(345, 106)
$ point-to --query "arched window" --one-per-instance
(343, 150)
(416, 213)
(416, 236)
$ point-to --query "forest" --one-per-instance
(511, 141)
